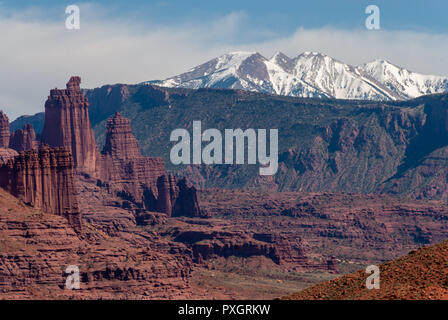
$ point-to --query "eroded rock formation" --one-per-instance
(37, 249)
(141, 179)
(67, 124)
(120, 142)
(23, 139)
(122, 165)
(7, 154)
(43, 179)
(4, 130)
(331, 224)
(187, 201)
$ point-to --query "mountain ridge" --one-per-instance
(310, 74)
(324, 145)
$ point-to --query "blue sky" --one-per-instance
(134, 40)
(277, 16)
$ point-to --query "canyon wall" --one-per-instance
(44, 179)
(37, 249)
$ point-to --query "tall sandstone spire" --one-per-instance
(120, 142)
(121, 166)
(67, 124)
(143, 180)
(4, 130)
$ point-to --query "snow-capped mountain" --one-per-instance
(311, 74)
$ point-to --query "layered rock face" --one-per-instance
(212, 243)
(44, 180)
(23, 139)
(423, 173)
(7, 154)
(37, 249)
(143, 180)
(4, 130)
(67, 124)
(362, 229)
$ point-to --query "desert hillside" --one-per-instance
(421, 274)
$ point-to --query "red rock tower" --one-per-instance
(4, 130)
(67, 124)
(120, 142)
(122, 164)
(23, 139)
(143, 180)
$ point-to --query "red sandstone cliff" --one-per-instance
(120, 142)
(67, 124)
(141, 179)
(37, 248)
(122, 165)
(7, 154)
(4, 130)
(44, 180)
(23, 139)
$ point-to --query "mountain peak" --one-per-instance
(314, 54)
(380, 63)
(279, 55)
(311, 53)
(283, 61)
(240, 53)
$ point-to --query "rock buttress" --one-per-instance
(44, 179)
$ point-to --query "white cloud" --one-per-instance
(419, 52)
(37, 55)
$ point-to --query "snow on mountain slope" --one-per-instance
(310, 74)
(336, 79)
(404, 83)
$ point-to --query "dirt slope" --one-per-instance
(422, 274)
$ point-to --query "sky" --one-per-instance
(134, 40)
